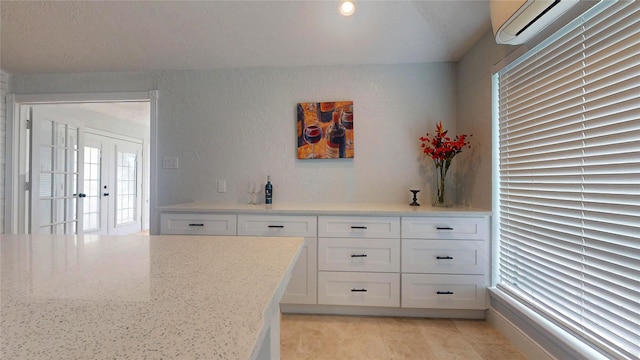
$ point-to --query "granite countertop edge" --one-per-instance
(323, 209)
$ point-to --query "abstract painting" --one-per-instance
(325, 130)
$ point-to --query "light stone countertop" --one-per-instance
(326, 209)
(140, 297)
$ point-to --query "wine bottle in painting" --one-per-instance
(347, 120)
(326, 111)
(300, 125)
(336, 138)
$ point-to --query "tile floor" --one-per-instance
(331, 337)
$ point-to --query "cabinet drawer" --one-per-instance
(358, 227)
(345, 254)
(198, 224)
(444, 291)
(444, 257)
(277, 225)
(453, 228)
(363, 289)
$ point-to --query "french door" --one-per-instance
(56, 164)
(113, 185)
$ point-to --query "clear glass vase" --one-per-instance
(440, 198)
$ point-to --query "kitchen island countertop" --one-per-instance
(142, 297)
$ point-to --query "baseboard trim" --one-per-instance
(381, 311)
(555, 342)
(526, 345)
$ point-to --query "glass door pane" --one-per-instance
(126, 187)
(92, 181)
(54, 175)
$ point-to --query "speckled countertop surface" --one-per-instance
(139, 297)
(327, 209)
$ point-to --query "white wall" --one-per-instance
(4, 86)
(474, 117)
(239, 126)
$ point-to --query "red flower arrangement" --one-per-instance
(442, 150)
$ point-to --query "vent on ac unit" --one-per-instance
(518, 21)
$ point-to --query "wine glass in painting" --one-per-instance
(312, 135)
(347, 121)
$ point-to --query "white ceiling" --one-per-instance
(88, 36)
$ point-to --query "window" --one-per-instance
(569, 178)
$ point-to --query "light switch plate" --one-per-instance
(222, 186)
(169, 162)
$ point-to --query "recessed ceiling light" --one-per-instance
(346, 7)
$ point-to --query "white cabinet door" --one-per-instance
(198, 224)
(444, 291)
(363, 289)
(359, 227)
(303, 285)
(277, 225)
(444, 256)
(453, 228)
(345, 254)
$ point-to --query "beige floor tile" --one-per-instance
(437, 323)
(408, 350)
(448, 345)
(479, 332)
(438, 329)
(400, 329)
(364, 347)
(322, 337)
(498, 352)
(317, 347)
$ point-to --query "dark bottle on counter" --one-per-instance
(268, 192)
(336, 138)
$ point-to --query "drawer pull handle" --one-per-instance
(196, 224)
(444, 292)
(444, 257)
(444, 228)
(276, 226)
(358, 255)
(358, 290)
(359, 227)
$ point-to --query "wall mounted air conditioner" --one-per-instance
(518, 21)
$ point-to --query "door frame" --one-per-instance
(16, 151)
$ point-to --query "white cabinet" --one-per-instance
(440, 228)
(357, 288)
(444, 256)
(198, 224)
(384, 264)
(344, 254)
(277, 225)
(303, 285)
(445, 262)
(444, 291)
(359, 227)
(359, 260)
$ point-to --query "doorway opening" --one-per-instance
(84, 167)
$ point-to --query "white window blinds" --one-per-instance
(569, 178)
